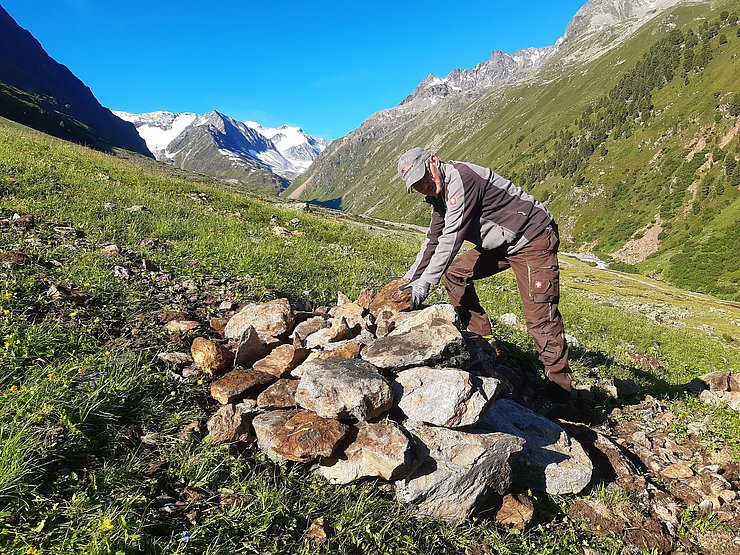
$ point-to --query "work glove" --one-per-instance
(419, 292)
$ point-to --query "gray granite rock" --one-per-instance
(551, 460)
(380, 450)
(455, 471)
(443, 396)
(343, 389)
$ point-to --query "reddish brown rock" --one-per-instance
(110, 250)
(218, 325)
(307, 436)
(379, 450)
(239, 383)
(349, 350)
(213, 359)
(676, 471)
(365, 298)
(231, 423)
(516, 510)
(352, 313)
(280, 395)
(282, 360)
(68, 294)
(392, 298)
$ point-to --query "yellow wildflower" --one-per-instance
(173, 393)
(13, 388)
(31, 550)
(51, 376)
(108, 524)
(72, 314)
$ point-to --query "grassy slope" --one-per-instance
(81, 384)
(509, 129)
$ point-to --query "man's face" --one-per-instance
(426, 185)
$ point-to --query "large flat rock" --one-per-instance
(551, 461)
(456, 472)
(426, 339)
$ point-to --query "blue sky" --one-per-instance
(323, 66)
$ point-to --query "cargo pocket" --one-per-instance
(544, 284)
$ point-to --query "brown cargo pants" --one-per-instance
(538, 277)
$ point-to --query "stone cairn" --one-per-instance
(371, 390)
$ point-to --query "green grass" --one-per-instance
(81, 385)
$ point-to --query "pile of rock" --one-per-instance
(369, 390)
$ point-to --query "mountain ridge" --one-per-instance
(285, 151)
(46, 95)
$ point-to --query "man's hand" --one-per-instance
(419, 292)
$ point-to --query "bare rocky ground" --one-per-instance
(366, 390)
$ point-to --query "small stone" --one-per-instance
(677, 471)
(238, 384)
(572, 341)
(317, 530)
(337, 331)
(343, 389)
(138, 208)
(351, 312)
(280, 395)
(281, 360)
(306, 436)
(309, 326)
(176, 359)
(120, 272)
(181, 326)
(213, 359)
(342, 299)
(109, 206)
(110, 250)
(218, 325)
(509, 319)
(68, 294)
(365, 298)
(14, 259)
(717, 381)
(516, 510)
(392, 298)
(227, 305)
(349, 350)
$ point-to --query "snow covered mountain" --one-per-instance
(218, 145)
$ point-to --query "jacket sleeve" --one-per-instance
(436, 225)
(452, 236)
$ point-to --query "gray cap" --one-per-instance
(412, 165)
